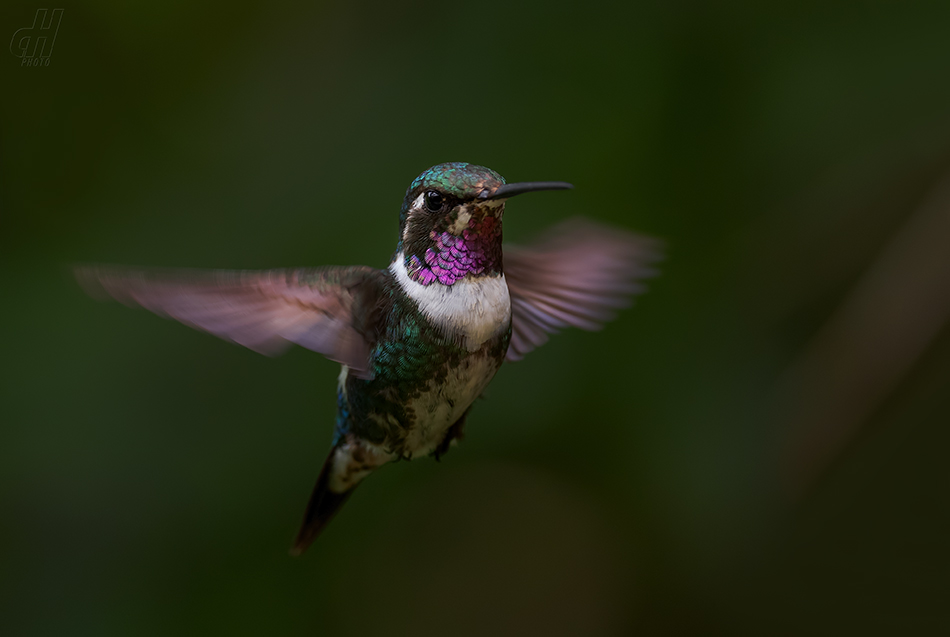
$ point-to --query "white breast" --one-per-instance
(474, 309)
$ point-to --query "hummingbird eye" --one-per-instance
(434, 201)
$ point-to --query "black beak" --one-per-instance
(510, 190)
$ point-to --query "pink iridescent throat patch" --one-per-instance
(476, 251)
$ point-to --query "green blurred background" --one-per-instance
(757, 448)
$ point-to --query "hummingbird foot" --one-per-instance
(452, 434)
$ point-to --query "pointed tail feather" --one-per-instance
(321, 508)
(350, 460)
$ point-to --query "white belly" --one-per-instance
(440, 406)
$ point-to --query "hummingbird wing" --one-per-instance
(327, 310)
(577, 275)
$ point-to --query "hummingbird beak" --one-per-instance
(510, 190)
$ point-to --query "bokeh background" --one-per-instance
(757, 448)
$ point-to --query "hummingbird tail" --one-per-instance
(349, 462)
(321, 508)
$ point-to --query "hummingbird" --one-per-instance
(418, 341)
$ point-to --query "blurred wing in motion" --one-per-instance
(323, 309)
(577, 275)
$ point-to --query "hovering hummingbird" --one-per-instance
(420, 340)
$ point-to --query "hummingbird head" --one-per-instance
(450, 223)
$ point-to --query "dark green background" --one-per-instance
(632, 481)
